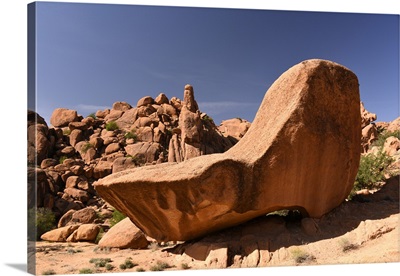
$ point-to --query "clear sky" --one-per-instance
(92, 55)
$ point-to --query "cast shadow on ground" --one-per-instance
(273, 232)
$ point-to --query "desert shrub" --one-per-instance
(109, 267)
(111, 125)
(160, 266)
(49, 272)
(85, 271)
(383, 135)
(371, 171)
(86, 147)
(130, 135)
(100, 262)
(99, 236)
(185, 266)
(139, 269)
(62, 158)
(301, 256)
(116, 217)
(127, 264)
(92, 115)
(66, 131)
(346, 245)
(73, 251)
(40, 220)
(137, 159)
(207, 118)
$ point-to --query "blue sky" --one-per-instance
(92, 55)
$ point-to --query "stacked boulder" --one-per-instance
(66, 158)
(234, 129)
(369, 130)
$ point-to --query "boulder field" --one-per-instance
(301, 152)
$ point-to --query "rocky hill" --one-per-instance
(66, 158)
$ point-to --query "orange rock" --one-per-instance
(59, 234)
(391, 146)
(61, 117)
(124, 235)
(303, 145)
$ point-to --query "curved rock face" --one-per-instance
(301, 152)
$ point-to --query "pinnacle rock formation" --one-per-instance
(301, 152)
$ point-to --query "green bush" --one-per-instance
(62, 158)
(85, 271)
(111, 125)
(371, 171)
(40, 220)
(100, 262)
(139, 269)
(185, 266)
(109, 267)
(137, 159)
(160, 266)
(383, 135)
(99, 236)
(66, 131)
(346, 245)
(131, 135)
(116, 217)
(207, 118)
(92, 115)
(86, 147)
(127, 264)
(301, 256)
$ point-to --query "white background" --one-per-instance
(13, 107)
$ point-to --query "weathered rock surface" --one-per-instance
(124, 235)
(369, 129)
(61, 117)
(85, 232)
(366, 116)
(38, 141)
(368, 135)
(303, 144)
(234, 128)
(394, 125)
(59, 234)
(391, 145)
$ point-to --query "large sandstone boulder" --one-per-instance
(59, 234)
(124, 235)
(301, 152)
(61, 117)
(85, 232)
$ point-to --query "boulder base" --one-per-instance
(301, 152)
